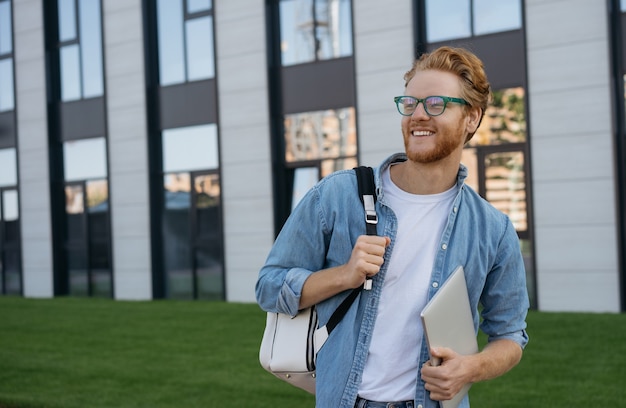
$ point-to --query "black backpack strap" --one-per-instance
(367, 194)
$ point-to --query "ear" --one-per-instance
(474, 116)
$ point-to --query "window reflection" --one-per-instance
(67, 20)
(10, 243)
(320, 135)
(455, 19)
(304, 179)
(194, 6)
(176, 233)
(506, 186)
(190, 148)
(315, 30)
(491, 16)
(504, 120)
(85, 159)
(186, 50)
(199, 33)
(70, 73)
(91, 48)
(6, 29)
(7, 96)
(10, 206)
(447, 20)
(208, 237)
(8, 167)
(171, 52)
(80, 54)
(87, 238)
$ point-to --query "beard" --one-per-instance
(445, 143)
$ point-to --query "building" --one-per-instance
(131, 168)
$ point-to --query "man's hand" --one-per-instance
(445, 380)
(366, 259)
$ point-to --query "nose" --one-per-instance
(420, 111)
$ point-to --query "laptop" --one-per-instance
(448, 322)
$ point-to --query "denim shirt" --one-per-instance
(320, 234)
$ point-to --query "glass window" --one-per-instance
(176, 236)
(91, 48)
(80, 52)
(447, 20)
(190, 148)
(491, 16)
(74, 208)
(7, 95)
(171, 51)
(10, 205)
(320, 135)
(85, 159)
(70, 73)
(504, 120)
(505, 185)
(6, 29)
(185, 45)
(200, 63)
(98, 222)
(195, 6)
(304, 179)
(208, 237)
(622, 5)
(315, 30)
(8, 167)
(67, 20)
(454, 19)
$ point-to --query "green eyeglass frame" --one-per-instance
(433, 105)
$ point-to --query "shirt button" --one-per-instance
(444, 246)
(420, 406)
(435, 285)
(455, 209)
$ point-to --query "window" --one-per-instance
(454, 19)
(191, 220)
(185, 37)
(10, 241)
(7, 96)
(498, 166)
(80, 54)
(87, 235)
(318, 143)
(315, 30)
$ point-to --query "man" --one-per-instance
(429, 222)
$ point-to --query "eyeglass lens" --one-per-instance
(433, 105)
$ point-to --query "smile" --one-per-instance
(422, 133)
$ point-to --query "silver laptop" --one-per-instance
(448, 322)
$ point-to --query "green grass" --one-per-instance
(68, 352)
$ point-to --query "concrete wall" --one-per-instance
(32, 152)
(245, 142)
(572, 160)
(383, 51)
(128, 143)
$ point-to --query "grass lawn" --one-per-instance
(68, 352)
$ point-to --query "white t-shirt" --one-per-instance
(390, 372)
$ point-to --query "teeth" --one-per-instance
(422, 133)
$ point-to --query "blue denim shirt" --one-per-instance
(321, 232)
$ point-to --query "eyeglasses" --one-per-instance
(433, 105)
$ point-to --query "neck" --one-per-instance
(425, 178)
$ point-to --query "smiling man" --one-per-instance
(429, 223)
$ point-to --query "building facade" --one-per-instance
(130, 168)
